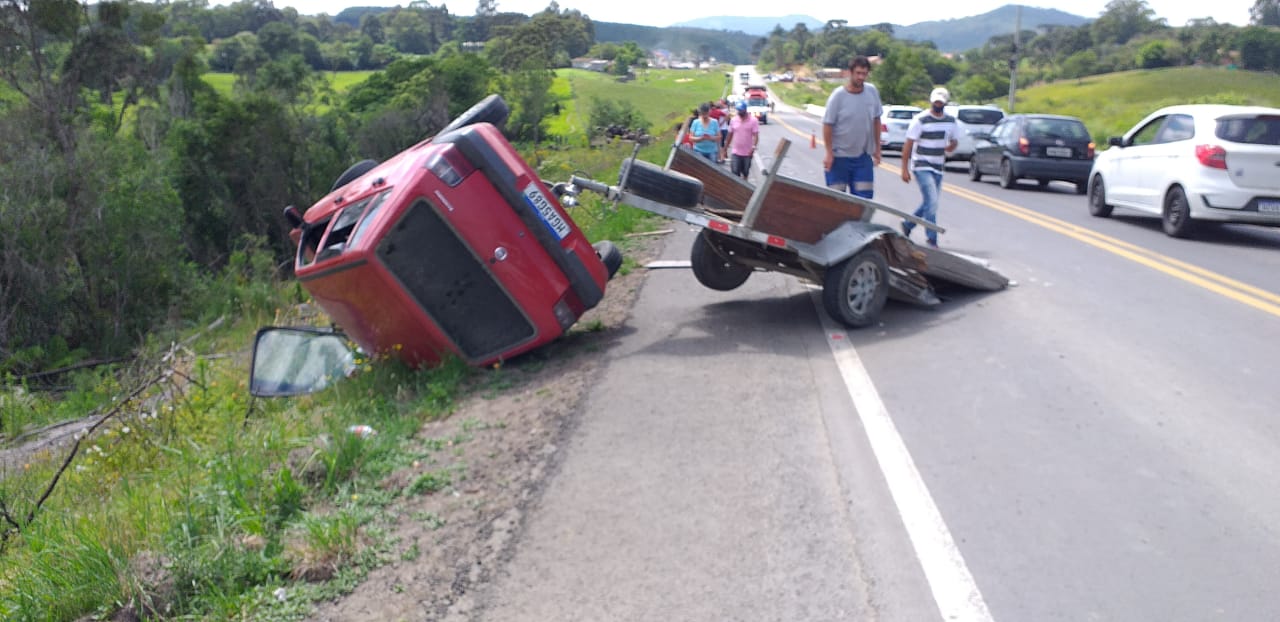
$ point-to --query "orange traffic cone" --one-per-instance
(813, 140)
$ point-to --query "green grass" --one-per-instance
(663, 96)
(1110, 104)
(341, 81)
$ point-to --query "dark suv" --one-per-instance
(1043, 147)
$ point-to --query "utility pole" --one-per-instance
(1013, 60)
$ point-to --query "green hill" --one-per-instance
(1112, 103)
(727, 47)
(966, 33)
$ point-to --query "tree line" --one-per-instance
(1126, 35)
(133, 194)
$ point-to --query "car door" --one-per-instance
(986, 151)
(1124, 181)
(1157, 161)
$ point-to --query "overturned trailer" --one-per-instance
(791, 226)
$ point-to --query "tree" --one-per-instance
(1259, 48)
(1265, 13)
(1154, 54)
(1123, 20)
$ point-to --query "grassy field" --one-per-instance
(1111, 104)
(663, 96)
(341, 81)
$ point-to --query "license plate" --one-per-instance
(554, 221)
(1270, 207)
(1058, 152)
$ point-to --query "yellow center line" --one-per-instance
(1232, 289)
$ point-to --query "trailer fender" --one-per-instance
(843, 242)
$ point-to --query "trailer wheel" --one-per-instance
(650, 181)
(492, 109)
(353, 173)
(854, 291)
(609, 255)
(712, 269)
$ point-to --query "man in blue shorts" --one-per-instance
(851, 131)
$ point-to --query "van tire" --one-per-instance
(353, 173)
(492, 109)
(609, 255)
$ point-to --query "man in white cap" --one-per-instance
(930, 137)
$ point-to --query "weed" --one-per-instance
(429, 483)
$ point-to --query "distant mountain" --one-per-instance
(966, 33)
(732, 47)
(759, 26)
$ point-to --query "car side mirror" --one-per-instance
(981, 136)
(291, 361)
(1115, 141)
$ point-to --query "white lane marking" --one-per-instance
(953, 587)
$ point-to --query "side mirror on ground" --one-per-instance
(1115, 141)
(297, 361)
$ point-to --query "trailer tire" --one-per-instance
(609, 255)
(353, 172)
(492, 109)
(712, 269)
(854, 291)
(650, 181)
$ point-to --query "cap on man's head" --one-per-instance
(742, 106)
(940, 94)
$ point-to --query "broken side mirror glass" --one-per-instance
(298, 361)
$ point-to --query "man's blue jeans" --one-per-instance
(930, 182)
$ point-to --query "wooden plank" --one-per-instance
(757, 198)
(796, 211)
(721, 190)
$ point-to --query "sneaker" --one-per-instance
(933, 243)
(906, 229)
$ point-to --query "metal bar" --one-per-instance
(872, 205)
(757, 199)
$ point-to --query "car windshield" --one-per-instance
(1259, 130)
(979, 116)
(901, 114)
(1056, 129)
(758, 101)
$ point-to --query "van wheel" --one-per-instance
(1007, 180)
(492, 109)
(1098, 198)
(650, 181)
(1177, 214)
(609, 255)
(353, 173)
(712, 268)
(854, 291)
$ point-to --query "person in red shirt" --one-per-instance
(719, 115)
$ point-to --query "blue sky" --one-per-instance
(667, 12)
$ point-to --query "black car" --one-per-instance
(1043, 147)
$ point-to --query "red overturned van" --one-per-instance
(453, 246)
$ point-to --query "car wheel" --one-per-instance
(1043, 183)
(1098, 198)
(650, 181)
(353, 173)
(491, 109)
(1082, 187)
(1007, 180)
(1177, 214)
(609, 255)
(712, 267)
(974, 173)
(854, 291)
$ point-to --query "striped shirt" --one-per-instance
(931, 135)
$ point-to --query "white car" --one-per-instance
(893, 126)
(1202, 162)
(971, 120)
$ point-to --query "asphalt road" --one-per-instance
(1099, 442)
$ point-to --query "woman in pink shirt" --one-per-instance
(744, 135)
